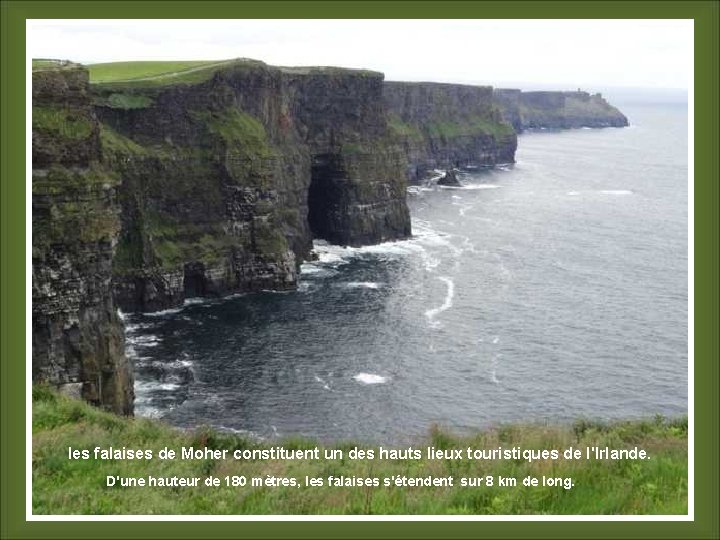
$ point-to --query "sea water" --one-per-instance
(546, 291)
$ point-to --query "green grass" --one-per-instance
(132, 71)
(128, 101)
(42, 64)
(403, 129)
(64, 122)
(63, 486)
(114, 142)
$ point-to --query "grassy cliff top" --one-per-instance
(157, 72)
(161, 73)
(65, 486)
(52, 64)
(329, 70)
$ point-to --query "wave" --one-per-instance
(164, 312)
(322, 381)
(447, 303)
(147, 411)
(146, 340)
(493, 369)
(470, 187)
(370, 378)
(363, 285)
(616, 192)
(194, 300)
(145, 387)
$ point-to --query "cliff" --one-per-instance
(152, 186)
(228, 177)
(556, 110)
(445, 126)
(77, 334)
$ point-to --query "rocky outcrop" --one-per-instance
(449, 178)
(226, 181)
(556, 110)
(77, 334)
(445, 126)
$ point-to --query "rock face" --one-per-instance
(225, 182)
(445, 126)
(556, 110)
(449, 178)
(78, 342)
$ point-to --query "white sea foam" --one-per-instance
(146, 411)
(312, 268)
(370, 378)
(147, 340)
(616, 192)
(134, 327)
(470, 187)
(195, 300)
(493, 368)
(326, 386)
(364, 285)
(447, 303)
(144, 387)
(431, 263)
(303, 286)
(332, 255)
(456, 197)
(573, 193)
(163, 312)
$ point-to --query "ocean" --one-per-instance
(547, 291)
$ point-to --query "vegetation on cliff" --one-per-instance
(155, 72)
(64, 486)
(77, 335)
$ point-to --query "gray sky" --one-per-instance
(544, 53)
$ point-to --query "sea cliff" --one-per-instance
(556, 110)
(226, 182)
(446, 126)
(151, 189)
(78, 341)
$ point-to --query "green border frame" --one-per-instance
(706, 15)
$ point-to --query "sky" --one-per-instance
(562, 54)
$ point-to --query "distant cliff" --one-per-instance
(78, 341)
(442, 126)
(556, 110)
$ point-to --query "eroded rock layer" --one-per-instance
(227, 181)
(445, 126)
(77, 333)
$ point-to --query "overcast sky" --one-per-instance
(592, 54)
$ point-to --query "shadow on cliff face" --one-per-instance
(325, 197)
(194, 282)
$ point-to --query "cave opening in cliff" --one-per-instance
(194, 282)
(324, 197)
